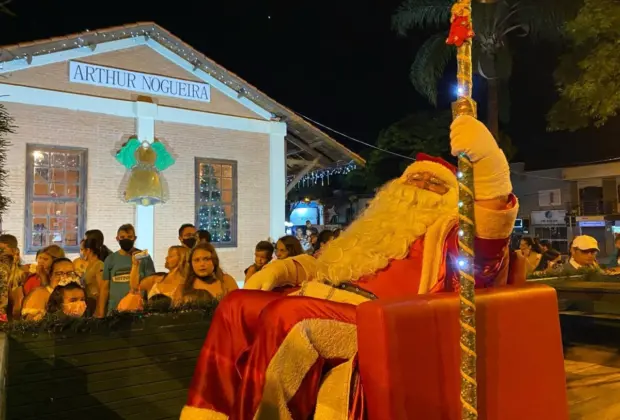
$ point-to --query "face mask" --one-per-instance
(189, 242)
(75, 309)
(126, 244)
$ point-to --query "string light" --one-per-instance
(322, 175)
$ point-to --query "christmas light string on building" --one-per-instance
(322, 176)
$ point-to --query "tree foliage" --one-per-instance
(6, 128)
(588, 75)
(495, 24)
(427, 132)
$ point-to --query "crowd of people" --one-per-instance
(540, 258)
(100, 281)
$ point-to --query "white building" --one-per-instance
(76, 100)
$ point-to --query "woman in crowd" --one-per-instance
(205, 273)
(288, 246)
(38, 276)
(323, 239)
(62, 272)
(97, 235)
(165, 284)
(80, 262)
(530, 250)
(70, 299)
(93, 272)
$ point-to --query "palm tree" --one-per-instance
(496, 23)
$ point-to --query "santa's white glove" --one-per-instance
(491, 170)
(286, 272)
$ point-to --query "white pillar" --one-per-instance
(277, 180)
(145, 215)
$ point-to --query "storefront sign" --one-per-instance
(548, 218)
(150, 84)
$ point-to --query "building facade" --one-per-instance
(75, 101)
(557, 204)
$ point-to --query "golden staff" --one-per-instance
(461, 34)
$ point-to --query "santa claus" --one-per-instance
(275, 356)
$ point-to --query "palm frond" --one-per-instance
(5, 9)
(416, 14)
(546, 19)
(429, 65)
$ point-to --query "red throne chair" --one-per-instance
(409, 356)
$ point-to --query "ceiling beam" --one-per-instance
(301, 174)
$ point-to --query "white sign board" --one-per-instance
(150, 84)
(548, 218)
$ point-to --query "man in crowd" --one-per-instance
(116, 269)
(187, 235)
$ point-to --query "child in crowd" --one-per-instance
(262, 256)
(116, 269)
(69, 298)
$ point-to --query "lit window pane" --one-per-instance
(41, 190)
(58, 159)
(73, 177)
(41, 175)
(40, 208)
(54, 188)
(41, 158)
(227, 196)
(227, 183)
(57, 190)
(215, 201)
(72, 191)
(73, 160)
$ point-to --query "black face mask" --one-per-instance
(207, 279)
(189, 242)
(126, 244)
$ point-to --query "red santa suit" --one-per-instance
(271, 356)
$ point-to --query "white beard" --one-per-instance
(396, 217)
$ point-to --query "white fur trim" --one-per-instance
(440, 171)
(495, 224)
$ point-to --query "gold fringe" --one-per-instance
(194, 413)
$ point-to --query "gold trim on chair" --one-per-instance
(195, 413)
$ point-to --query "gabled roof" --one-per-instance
(305, 142)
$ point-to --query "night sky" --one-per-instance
(336, 62)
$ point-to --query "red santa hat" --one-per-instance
(434, 165)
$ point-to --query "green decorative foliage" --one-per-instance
(6, 127)
(494, 23)
(57, 323)
(588, 76)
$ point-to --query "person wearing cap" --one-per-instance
(264, 349)
(582, 255)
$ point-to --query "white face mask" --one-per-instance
(75, 309)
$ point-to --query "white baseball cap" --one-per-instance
(585, 243)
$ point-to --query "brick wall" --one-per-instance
(102, 135)
(251, 151)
